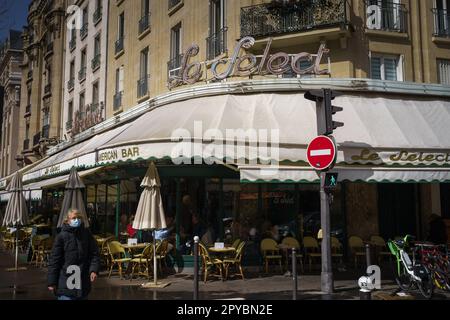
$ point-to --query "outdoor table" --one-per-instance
(222, 252)
(134, 247)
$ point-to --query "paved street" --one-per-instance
(31, 284)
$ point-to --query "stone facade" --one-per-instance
(11, 56)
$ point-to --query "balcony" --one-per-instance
(392, 17)
(36, 139)
(216, 44)
(277, 19)
(119, 45)
(69, 125)
(73, 43)
(82, 74)
(142, 87)
(26, 144)
(118, 100)
(96, 62)
(441, 23)
(47, 89)
(70, 84)
(97, 16)
(174, 65)
(30, 74)
(45, 132)
(84, 31)
(144, 24)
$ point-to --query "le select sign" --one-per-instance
(321, 153)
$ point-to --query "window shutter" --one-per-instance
(444, 71)
(375, 68)
(390, 69)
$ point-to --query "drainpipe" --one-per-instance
(106, 57)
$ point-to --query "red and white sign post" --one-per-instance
(321, 153)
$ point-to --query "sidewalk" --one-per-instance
(31, 285)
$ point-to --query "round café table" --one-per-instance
(222, 252)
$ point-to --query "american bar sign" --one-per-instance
(246, 65)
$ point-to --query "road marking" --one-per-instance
(323, 152)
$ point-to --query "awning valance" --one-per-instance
(302, 174)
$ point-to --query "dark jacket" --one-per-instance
(73, 246)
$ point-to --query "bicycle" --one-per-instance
(409, 274)
(435, 258)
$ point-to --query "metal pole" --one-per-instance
(155, 265)
(17, 246)
(178, 216)
(196, 240)
(368, 255)
(327, 271)
(294, 273)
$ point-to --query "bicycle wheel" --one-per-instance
(402, 277)
(426, 287)
(440, 280)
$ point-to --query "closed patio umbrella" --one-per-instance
(16, 213)
(150, 211)
(73, 198)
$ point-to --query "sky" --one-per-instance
(16, 17)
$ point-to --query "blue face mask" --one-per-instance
(75, 223)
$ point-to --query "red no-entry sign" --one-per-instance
(321, 153)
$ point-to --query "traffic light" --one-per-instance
(331, 179)
(325, 110)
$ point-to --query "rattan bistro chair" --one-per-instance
(209, 262)
(357, 249)
(143, 263)
(293, 243)
(270, 252)
(236, 261)
(312, 250)
(118, 257)
(381, 248)
(336, 250)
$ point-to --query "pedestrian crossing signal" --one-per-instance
(331, 180)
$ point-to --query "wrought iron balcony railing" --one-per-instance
(441, 23)
(96, 62)
(45, 132)
(49, 48)
(30, 74)
(144, 23)
(173, 3)
(70, 84)
(73, 43)
(118, 100)
(216, 44)
(36, 139)
(142, 87)
(119, 45)
(273, 19)
(28, 110)
(174, 65)
(26, 144)
(97, 16)
(82, 74)
(84, 31)
(93, 107)
(390, 17)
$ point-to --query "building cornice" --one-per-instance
(345, 85)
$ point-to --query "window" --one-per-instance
(95, 95)
(143, 74)
(441, 13)
(46, 119)
(144, 23)
(29, 96)
(385, 67)
(97, 53)
(81, 106)
(27, 131)
(119, 79)
(84, 23)
(97, 45)
(120, 32)
(216, 42)
(70, 112)
(444, 71)
(72, 69)
(175, 49)
(391, 15)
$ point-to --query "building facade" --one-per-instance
(85, 66)
(11, 56)
(41, 94)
